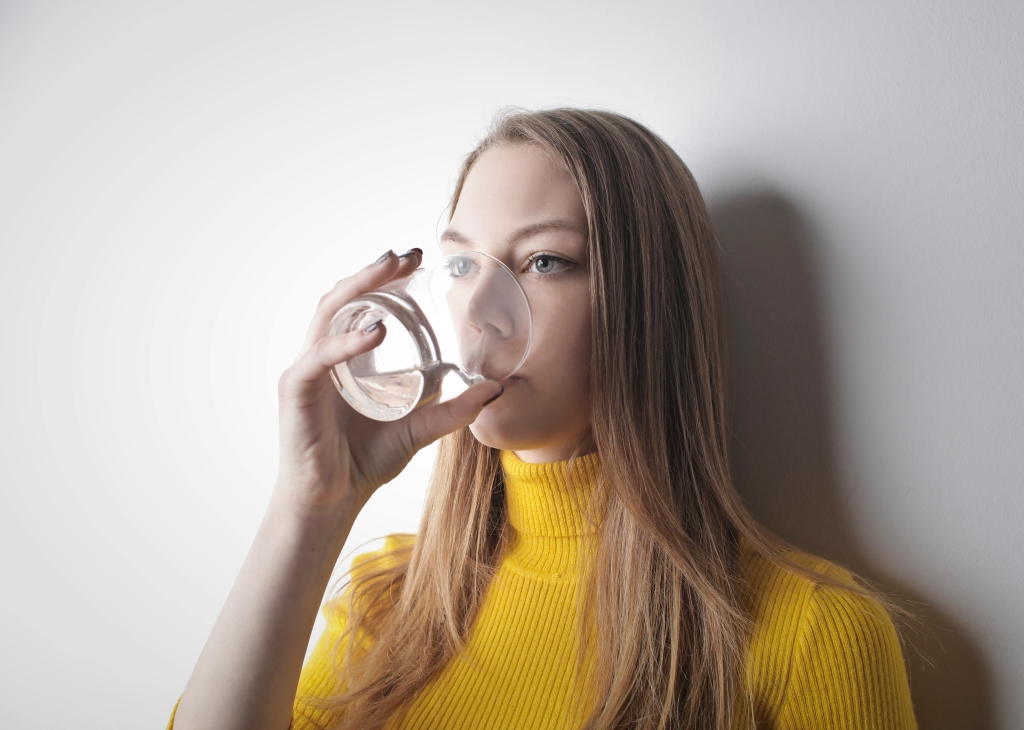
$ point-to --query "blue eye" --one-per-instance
(547, 264)
(460, 266)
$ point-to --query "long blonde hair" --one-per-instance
(666, 570)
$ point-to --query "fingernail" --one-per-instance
(372, 327)
(383, 258)
(491, 400)
(410, 252)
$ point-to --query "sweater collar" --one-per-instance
(553, 499)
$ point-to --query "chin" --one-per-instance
(511, 429)
(490, 432)
(498, 427)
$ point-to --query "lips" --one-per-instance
(510, 380)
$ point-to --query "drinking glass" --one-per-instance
(463, 320)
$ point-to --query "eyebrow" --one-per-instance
(520, 235)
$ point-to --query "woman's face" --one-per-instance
(520, 207)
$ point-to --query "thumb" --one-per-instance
(433, 422)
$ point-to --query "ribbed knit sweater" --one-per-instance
(818, 657)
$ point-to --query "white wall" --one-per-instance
(180, 181)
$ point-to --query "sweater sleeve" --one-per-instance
(320, 679)
(847, 669)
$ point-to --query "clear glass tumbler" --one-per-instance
(461, 321)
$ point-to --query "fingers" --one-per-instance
(388, 267)
(428, 424)
(314, 363)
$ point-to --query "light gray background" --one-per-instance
(181, 181)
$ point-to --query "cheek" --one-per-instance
(561, 340)
(559, 364)
(567, 365)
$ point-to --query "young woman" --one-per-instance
(583, 560)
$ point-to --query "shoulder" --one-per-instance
(818, 648)
(778, 598)
(395, 551)
(788, 611)
(321, 677)
(368, 565)
(773, 594)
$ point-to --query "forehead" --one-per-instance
(513, 185)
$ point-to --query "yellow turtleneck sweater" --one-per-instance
(817, 658)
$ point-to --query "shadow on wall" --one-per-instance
(782, 451)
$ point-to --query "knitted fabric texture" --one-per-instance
(818, 657)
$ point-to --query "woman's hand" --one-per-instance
(330, 453)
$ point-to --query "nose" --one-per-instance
(489, 308)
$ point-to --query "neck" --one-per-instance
(558, 452)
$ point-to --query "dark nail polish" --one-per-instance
(372, 327)
(410, 252)
(491, 400)
(383, 258)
